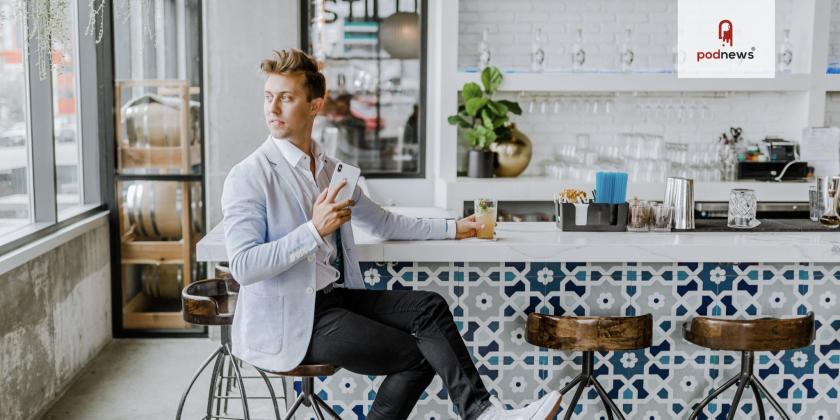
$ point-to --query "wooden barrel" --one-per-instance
(153, 124)
(163, 281)
(153, 209)
(155, 121)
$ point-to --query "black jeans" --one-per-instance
(407, 335)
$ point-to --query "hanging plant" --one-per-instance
(96, 13)
(45, 25)
(150, 16)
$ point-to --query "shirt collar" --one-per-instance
(293, 155)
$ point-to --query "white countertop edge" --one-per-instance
(602, 254)
(542, 242)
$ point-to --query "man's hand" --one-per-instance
(327, 215)
(465, 228)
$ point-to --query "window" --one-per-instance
(15, 198)
(373, 59)
(49, 171)
(65, 120)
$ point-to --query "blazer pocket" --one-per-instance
(265, 323)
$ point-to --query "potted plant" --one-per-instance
(484, 120)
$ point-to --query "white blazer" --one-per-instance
(272, 255)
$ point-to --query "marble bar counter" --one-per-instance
(542, 241)
(492, 286)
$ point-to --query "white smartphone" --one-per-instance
(347, 172)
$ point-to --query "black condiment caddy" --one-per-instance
(600, 217)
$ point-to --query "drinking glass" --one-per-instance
(813, 203)
(661, 216)
(485, 213)
(639, 217)
(742, 207)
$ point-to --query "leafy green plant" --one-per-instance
(483, 119)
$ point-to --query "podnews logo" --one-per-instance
(726, 34)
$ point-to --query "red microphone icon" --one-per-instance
(725, 31)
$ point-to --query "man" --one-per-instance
(302, 297)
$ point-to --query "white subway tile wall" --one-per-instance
(511, 26)
(832, 109)
(760, 114)
(834, 33)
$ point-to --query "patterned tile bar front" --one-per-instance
(491, 301)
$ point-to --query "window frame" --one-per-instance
(40, 123)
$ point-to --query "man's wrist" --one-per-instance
(315, 233)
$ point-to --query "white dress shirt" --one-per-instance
(311, 188)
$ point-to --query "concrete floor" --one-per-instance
(144, 379)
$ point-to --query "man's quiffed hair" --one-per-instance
(294, 60)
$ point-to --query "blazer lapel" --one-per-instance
(272, 153)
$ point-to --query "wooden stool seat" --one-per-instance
(208, 302)
(308, 397)
(748, 336)
(223, 272)
(304, 371)
(765, 334)
(590, 333)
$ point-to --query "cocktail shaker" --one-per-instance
(679, 194)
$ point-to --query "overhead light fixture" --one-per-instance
(399, 34)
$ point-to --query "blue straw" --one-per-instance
(600, 187)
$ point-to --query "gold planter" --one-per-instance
(513, 154)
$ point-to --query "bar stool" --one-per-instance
(211, 302)
(588, 335)
(748, 336)
(308, 397)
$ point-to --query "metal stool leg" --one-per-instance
(575, 399)
(228, 384)
(226, 341)
(743, 381)
(758, 402)
(316, 407)
(327, 408)
(772, 399)
(214, 380)
(712, 396)
(238, 374)
(288, 391)
(271, 394)
(604, 398)
(608, 402)
(570, 385)
(291, 413)
(306, 385)
(192, 382)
